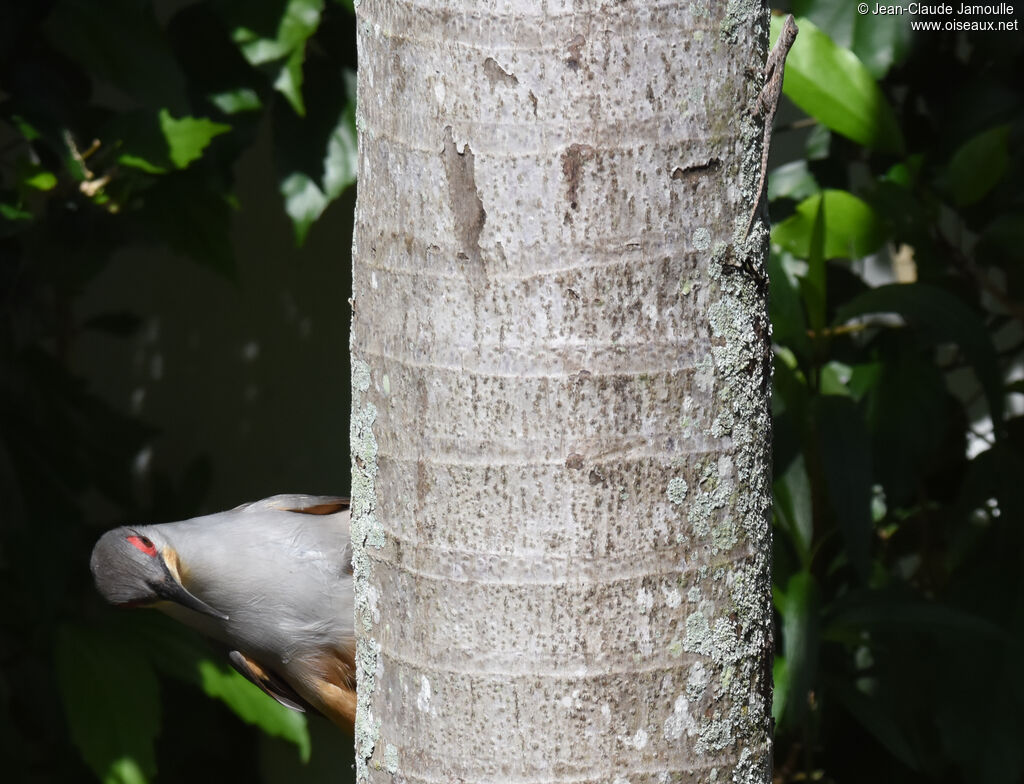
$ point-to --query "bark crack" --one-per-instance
(575, 49)
(495, 73)
(697, 169)
(467, 206)
(572, 169)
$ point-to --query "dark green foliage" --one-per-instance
(122, 125)
(898, 313)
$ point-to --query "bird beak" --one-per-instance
(173, 591)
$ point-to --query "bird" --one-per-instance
(271, 580)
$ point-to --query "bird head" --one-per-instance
(136, 567)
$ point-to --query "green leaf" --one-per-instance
(791, 181)
(27, 130)
(878, 40)
(255, 707)
(844, 449)
(184, 655)
(899, 174)
(780, 692)
(140, 163)
(793, 510)
(819, 144)
(340, 164)
(315, 156)
(189, 136)
(211, 60)
(242, 99)
(296, 26)
(303, 201)
(32, 175)
(790, 386)
(977, 166)
(300, 21)
(814, 284)
(112, 704)
(125, 770)
(42, 180)
(789, 327)
(834, 377)
(863, 378)
(940, 317)
(140, 141)
(289, 81)
(833, 86)
(14, 213)
(852, 228)
(277, 763)
(258, 50)
(798, 606)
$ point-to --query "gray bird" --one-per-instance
(272, 580)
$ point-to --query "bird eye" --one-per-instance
(143, 544)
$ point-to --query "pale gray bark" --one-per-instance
(560, 394)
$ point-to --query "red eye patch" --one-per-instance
(142, 544)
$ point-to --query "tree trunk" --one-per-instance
(560, 420)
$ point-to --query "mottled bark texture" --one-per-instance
(560, 393)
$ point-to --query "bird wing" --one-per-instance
(268, 682)
(329, 684)
(309, 504)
